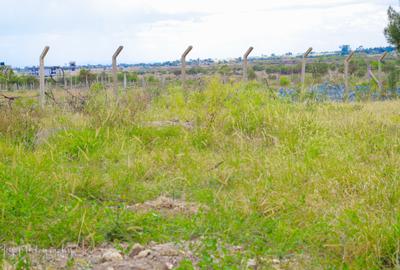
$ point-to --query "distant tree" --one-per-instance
(224, 70)
(360, 49)
(333, 67)
(318, 69)
(392, 31)
(196, 70)
(151, 79)
(393, 80)
(133, 77)
(130, 76)
(176, 72)
(86, 75)
(258, 67)
(6, 72)
(7, 76)
(358, 66)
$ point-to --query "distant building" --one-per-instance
(345, 49)
(49, 72)
(72, 66)
(2, 64)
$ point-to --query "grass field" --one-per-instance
(319, 181)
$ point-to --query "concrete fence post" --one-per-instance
(183, 63)
(114, 70)
(143, 81)
(245, 63)
(376, 80)
(42, 99)
(125, 81)
(346, 75)
(373, 77)
(303, 67)
(162, 82)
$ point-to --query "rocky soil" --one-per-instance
(138, 257)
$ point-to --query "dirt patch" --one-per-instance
(168, 206)
(292, 262)
(43, 135)
(169, 123)
(155, 256)
(137, 257)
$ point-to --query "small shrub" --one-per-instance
(284, 81)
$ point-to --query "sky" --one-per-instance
(89, 31)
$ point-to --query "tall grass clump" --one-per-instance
(20, 123)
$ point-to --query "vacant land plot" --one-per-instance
(232, 175)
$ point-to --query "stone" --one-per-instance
(71, 246)
(168, 250)
(136, 249)
(112, 255)
(143, 254)
(252, 264)
(276, 261)
(169, 265)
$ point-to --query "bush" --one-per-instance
(284, 81)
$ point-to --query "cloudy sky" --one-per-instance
(88, 31)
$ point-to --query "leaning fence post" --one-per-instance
(245, 61)
(114, 70)
(380, 74)
(346, 75)
(379, 78)
(376, 80)
(41, 74)
(183, 63)
(303, 67)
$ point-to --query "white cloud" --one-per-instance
(88, 31)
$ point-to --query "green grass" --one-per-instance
(279, 178)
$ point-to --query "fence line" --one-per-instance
(114, 82)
